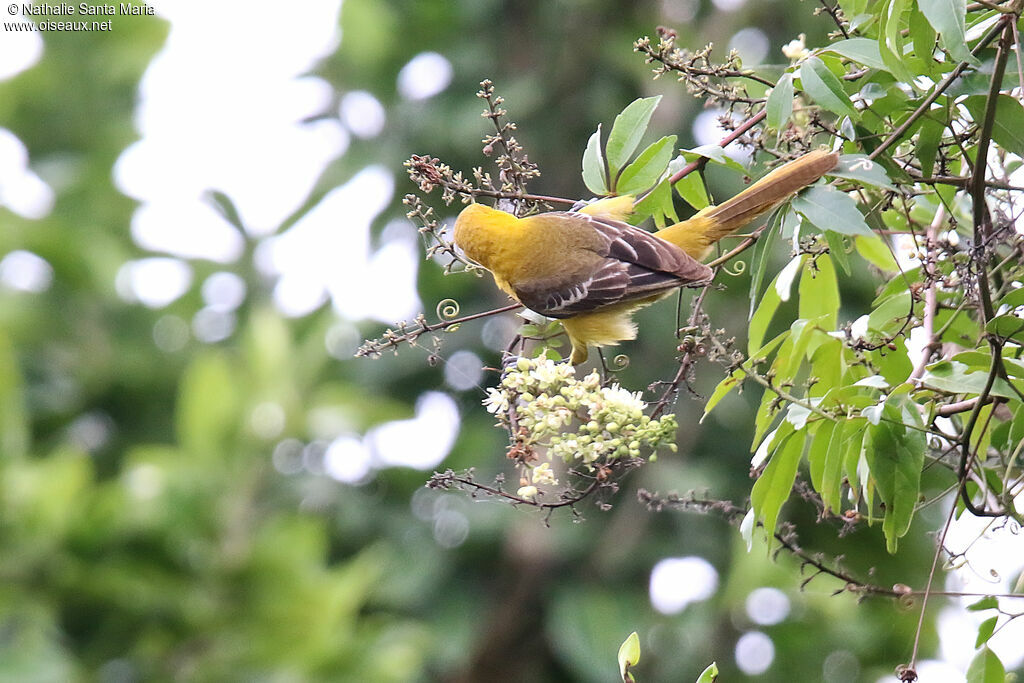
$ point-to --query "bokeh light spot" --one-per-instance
(678, 581)
(766, 606)
(26, 272)
(755, 652)
(267, 420)
(752, 45)
(421, 442)
(363, 114)
(287, 456)
(347, 460)
(423, 76)
(19, 50)
(463, 371)
(223, 291)
(211, 326)
(170, 333)
(154, 282)
(451, 528)
(841, 667)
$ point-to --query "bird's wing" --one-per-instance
(616, 263)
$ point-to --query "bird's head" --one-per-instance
(477, 228)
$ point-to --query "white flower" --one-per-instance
(514, 380)
(543, 474)
(527, 492)
(547, 373)
(623, 401)
(796, 50)
(496, 401)
(556, 418)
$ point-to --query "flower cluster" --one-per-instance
(577, 420)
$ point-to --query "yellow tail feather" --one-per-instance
(696, 235)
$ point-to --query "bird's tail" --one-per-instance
(696, 235)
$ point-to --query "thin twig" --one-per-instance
(699, 163)
(895, 136)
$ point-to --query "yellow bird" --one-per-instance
(593, 271)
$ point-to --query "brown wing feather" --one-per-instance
(631, 264)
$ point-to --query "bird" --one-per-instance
(592, 270)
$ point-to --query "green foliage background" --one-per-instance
(234, 571)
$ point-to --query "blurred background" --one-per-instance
(201, 219)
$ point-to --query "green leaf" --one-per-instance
(648, 168)
(947, 17)
(658, 203)
(763, 250)
(956, 378)
(832, 467)
(819, 292)
(928, 138)
(1017, 427)
(890, 314)
(779, 106)
(817, 454)
(1007, 327)
(922, 37)
(873, 381)
(791, 224)
(627, 131)
(772, 488)
(765, 350)
(837, 249)
(979, 81)
(709, 675)
(830, 209)
(862, 50)
(960, 328)
(862, 169)
(891, 41)
(1013, 367)
(225, 207)
(985, 630)
(1008, 130)
(1013, 298)
(715, 153)
(892, 364)
(767, 411)
(897, 285)
(895, 454)
(691, 188)
(986, 668)
(207, 403)
(825, 89)
(762, 317)
(981, 438)
(853, 440)
(723, 389)
(987, 602)
(594, 176)
(14, 425)
(733, 380)
(876, 251)
(629, 655)
(826, 354)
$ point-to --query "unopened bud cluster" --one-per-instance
(578, 420)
